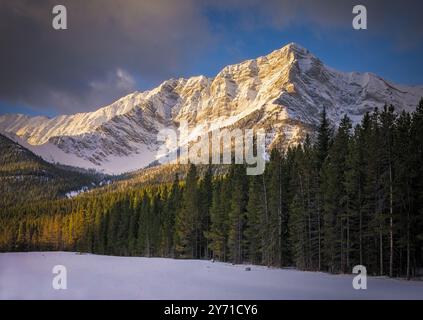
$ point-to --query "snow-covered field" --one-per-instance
(29, 276)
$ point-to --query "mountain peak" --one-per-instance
(295, 46)
(282, 92)
(291, 54)
(295, 49)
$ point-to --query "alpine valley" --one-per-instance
(342, 187)
(283, 92)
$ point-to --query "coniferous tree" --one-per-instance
(405, 173)
(237, 213)
(304, 207)
(205, 203)
(217, 235)
(354, 183)
(143, 227)
(336, 223)
(387, 122)
(417, 182)
(324, 135)
(187, 220)
(172, 207)
(275, 221)
(256, 228)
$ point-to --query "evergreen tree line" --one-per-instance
(354, 196)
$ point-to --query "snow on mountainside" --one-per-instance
(283, 92)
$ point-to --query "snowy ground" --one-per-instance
(29, 276)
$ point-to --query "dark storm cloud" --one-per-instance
(112, 46)
(399, 20)
(107, 44)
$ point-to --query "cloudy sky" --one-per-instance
(114, 47)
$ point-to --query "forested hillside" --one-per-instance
(25, 177)
(353, 196)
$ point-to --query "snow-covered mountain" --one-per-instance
(283, 92)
